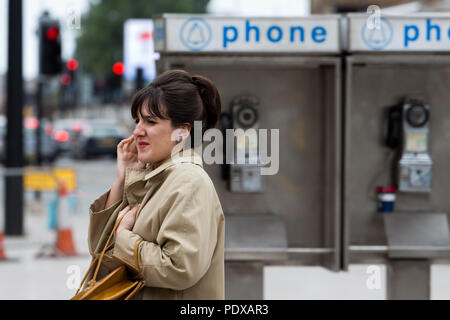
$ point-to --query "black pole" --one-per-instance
(14, 135)
(139, 79)
(38, 131)
(39, 117)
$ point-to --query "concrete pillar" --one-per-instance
(244, 280)
(408, 279)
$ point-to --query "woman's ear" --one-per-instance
(181, 131)
(186, 128)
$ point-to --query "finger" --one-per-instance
(134, 209)
(127, 145)
(134, 149)
(122, 142)
(130, 138)
(122, 215)
(126, 140)
(125, 210)
(130, 215)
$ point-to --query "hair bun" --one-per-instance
(211, 100)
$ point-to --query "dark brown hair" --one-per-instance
(177, 96)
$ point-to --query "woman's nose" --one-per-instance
(138, 131)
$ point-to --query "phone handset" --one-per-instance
(394, 128)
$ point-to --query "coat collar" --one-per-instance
(189, 155)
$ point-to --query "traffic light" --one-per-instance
(115, 79)
(118, 68)
(114, 83)
(72, 64)
(69, 87)
(68, 77)
(50, 62)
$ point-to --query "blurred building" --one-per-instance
(259, 7)
(341, 6)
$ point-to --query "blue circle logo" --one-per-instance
(378, 37)
(195, 34)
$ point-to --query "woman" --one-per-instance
(171, 211)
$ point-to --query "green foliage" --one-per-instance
(100, 43)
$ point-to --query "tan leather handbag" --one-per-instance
(123, 282)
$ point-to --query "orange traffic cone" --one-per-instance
(2, 250)
(64, 242)
(64, 239)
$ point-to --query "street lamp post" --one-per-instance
(14, 135)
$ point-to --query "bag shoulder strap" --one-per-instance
(106, 247)
(87, 272)
(98, 259)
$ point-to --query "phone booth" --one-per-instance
(281, 76)
(396, 180)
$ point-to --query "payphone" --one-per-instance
(408, 132)
(291, 216)
(245, 170)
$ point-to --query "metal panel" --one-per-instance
(417, 235)
(257, 237)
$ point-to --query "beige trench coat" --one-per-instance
(182, 226)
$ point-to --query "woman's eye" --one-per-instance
(136, 121)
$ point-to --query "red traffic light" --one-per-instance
(31, 123)
(118, 68)
(72, 64)
(52, 33)
(65, 79)
(62, 136)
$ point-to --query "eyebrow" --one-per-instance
(146, 116)
(149, 117)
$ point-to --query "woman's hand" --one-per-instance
(129, 217)
(127, 156)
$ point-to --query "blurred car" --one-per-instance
(66, 132)
(98, 137)
(48, 144)
(49, 151)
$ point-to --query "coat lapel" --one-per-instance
(188, 156)
(136, 179)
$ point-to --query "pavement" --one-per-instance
(24, 276)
